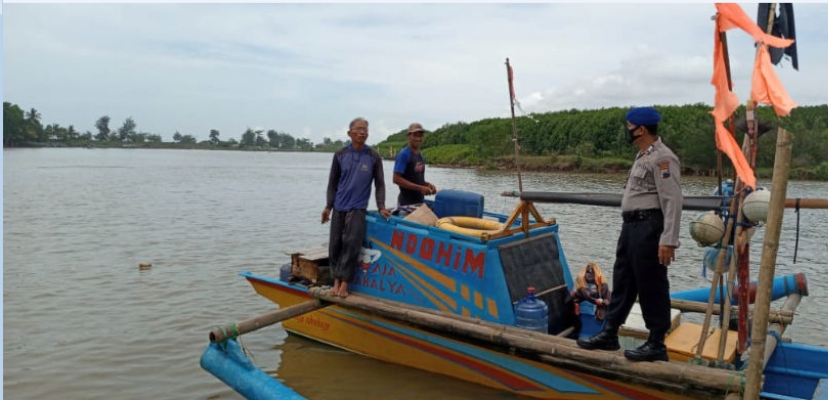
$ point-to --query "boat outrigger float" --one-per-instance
(441, 298)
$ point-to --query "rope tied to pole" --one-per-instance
(741, 375)
(796, 244)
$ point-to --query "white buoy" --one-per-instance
(707, 229)
(755, 207)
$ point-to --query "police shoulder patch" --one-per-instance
(664, 169)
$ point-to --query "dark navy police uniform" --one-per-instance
(651, 210)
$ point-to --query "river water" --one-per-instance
(82, 321)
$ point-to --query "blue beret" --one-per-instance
(643, 116)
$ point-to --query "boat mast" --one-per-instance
(752, 137)
(512, 100)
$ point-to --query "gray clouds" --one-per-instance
(308, 69)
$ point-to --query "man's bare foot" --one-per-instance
(343, 289)
(336, 286)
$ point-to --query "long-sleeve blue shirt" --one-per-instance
(349, 183)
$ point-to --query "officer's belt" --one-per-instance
(641, 215)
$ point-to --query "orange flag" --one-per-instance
(732, 16)
(766, 88)
(726, 102)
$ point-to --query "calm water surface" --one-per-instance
(81, 321)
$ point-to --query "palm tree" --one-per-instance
(34, 130)
(33, 116)
(71, 133)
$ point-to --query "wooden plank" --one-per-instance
(319, 249)
(314, 254)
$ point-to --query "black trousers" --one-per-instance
(637, 273)
(347, 234)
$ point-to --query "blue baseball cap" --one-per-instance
(644, 116)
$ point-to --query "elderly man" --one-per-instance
(349, 190)
(651, 210)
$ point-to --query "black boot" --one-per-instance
(607, 339)
(649, 351)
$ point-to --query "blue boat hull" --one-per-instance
(794, 371)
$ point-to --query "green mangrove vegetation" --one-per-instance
(594, 141)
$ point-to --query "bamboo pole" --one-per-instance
(807, 203)
(776, 315)
(635, 379)
(717, 276)
(231, 331)
(731, 273)
(791, 303)
(562, 352)
(767, 267)
(509, 73)
(729, 230)
(739, 261)
(697, 203)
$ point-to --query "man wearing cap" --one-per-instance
(651, 210)
(409, 173)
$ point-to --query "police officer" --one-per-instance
(651, 210)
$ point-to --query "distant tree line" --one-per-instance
(24, 128)
(585, 135)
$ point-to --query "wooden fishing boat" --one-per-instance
(441, 298)
(442, 301)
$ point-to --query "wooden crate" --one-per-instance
(310, 264)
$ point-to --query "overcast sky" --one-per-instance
(308, 69)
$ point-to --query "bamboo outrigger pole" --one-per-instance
(767, 267)
(231, 331)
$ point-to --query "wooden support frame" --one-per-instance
(523, 210)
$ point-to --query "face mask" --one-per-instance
(630, 132)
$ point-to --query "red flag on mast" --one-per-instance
(515, 101)
(511, 83)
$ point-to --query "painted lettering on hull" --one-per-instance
(313, 321)
(380, 277)
(443, 254)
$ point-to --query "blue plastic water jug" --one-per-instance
(284, 272)
(532, 313)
